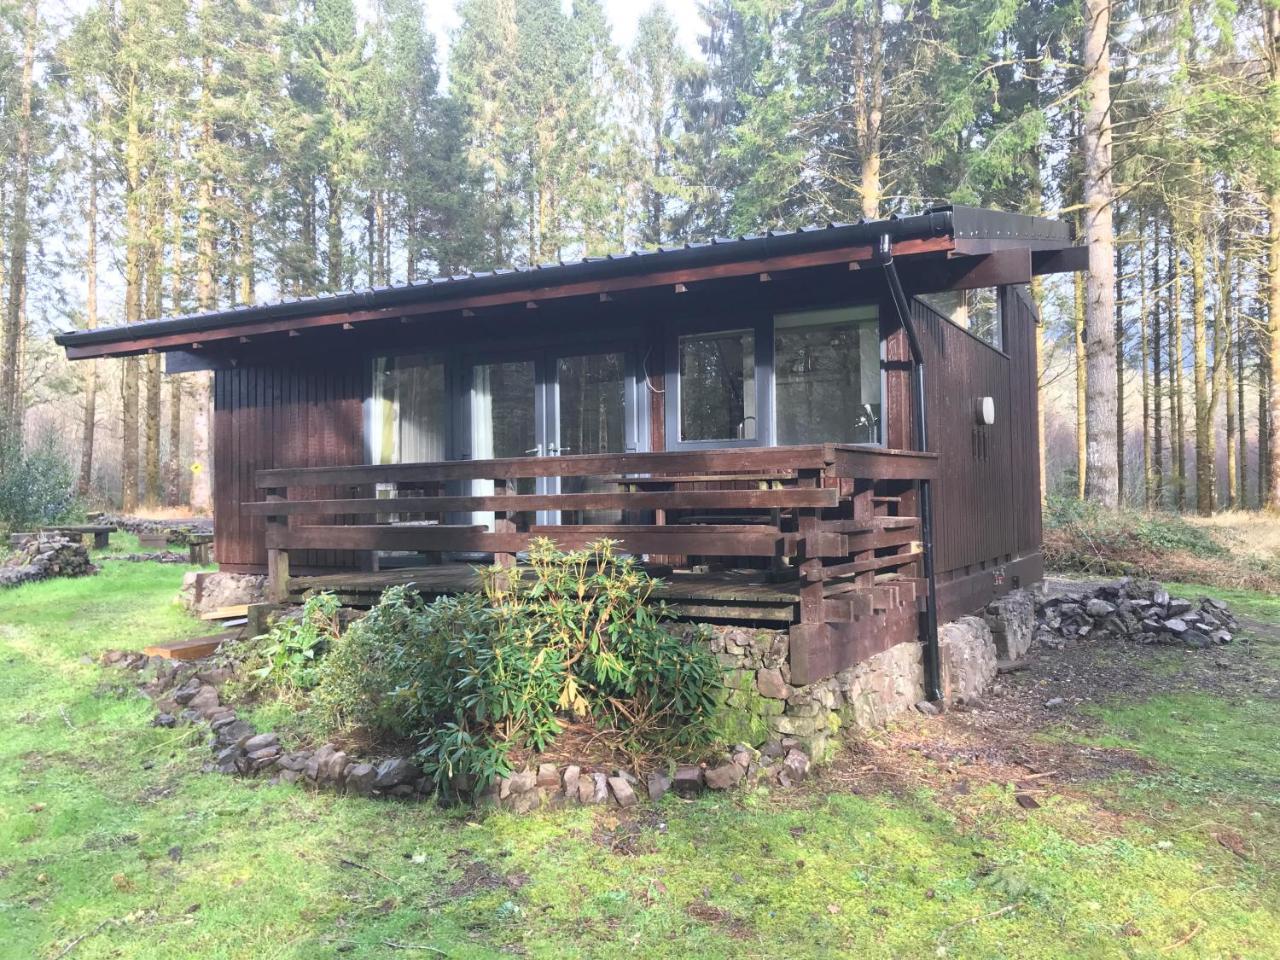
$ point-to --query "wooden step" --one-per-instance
(195, 649)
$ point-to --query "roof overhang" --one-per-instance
(987, 246)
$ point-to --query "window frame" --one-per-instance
(764, 329)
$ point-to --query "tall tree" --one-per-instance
(11, 383)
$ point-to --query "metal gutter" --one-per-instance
(932, 653)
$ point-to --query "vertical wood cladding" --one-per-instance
(987, 497)
(279, 416)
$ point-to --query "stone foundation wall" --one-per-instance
(765, 706)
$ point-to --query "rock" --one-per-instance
(771, 684)
(335, 768)
(724, 776)
(205, 701)
(185, 693)
(261, 759)
(548, 777)
(360, 779)
(1097, 608)
(572, 776)
(688, 781)
(744, 756)
(164, 720)
(623, 794)
(795, 766)
(1177, 608)
(1175, 626)
(1221, 637)
(235, 732)
(260, 742)
(319, 760)
(226, 760)
(599, 788)
(928, 708)
(657, 784)
(586, 789)
(1054, 702)
(1195, 639)
(773, 750)
(393, 772)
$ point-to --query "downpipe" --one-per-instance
(932, 653)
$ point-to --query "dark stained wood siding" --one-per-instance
(987, 496)
(279, 416)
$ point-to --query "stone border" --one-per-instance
(188, 692)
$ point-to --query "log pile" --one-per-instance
(44, 556)
(1137, 610)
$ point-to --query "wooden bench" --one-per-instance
(100, 532)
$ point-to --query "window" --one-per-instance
(827, 376)
(977, 311)
(718, 386)
(409, 410)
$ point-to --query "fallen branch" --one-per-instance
(986, 916)
(412, 946)
(85, 936)
(360, 866)
(1185, 940)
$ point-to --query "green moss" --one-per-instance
(743, 714)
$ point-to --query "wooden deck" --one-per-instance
(822, 539)
(732, 596)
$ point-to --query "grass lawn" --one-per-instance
(109, 832)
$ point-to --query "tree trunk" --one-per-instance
(134, 252)
(1242, 459)
(1144, 341)
(1082, 423)
(1271, 27)
(1200, 368)
(868, 106)
(333, 226)
(1102, 469)
(173, 465)
(1157, 387)
(151, 486)
(1175, 377)
(1120, 344)
(11, 383)
(85, 482)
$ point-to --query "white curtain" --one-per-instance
(482, 434)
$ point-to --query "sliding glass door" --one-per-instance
(587, 412)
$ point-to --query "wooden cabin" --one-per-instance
(832, 430)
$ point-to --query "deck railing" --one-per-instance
(840, 521)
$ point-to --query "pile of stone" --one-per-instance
(153, 556)
(1137, 610)
(189, 692)
(44, 556)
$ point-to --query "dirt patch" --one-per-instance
(479, 876)
(995, 741)
(631, 834)
(718, 917)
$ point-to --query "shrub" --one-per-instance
(37, 481)
(475, 676)
(286, 657)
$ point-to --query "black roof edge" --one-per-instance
(936, 221)
(933, 222)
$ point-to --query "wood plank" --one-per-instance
(226, 613)
(812, 456)
(196, 649)
(702, 541)
(522, 503)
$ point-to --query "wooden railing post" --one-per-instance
(503, 523)
(277, 556)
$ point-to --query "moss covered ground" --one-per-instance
(114, 844)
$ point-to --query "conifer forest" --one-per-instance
(165, 157)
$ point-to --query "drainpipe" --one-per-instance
(932, 654)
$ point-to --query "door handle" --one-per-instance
(536, 451)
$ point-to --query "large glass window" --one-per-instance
(718, 386)
(977, 311)
(827, 376)
(409, 410)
